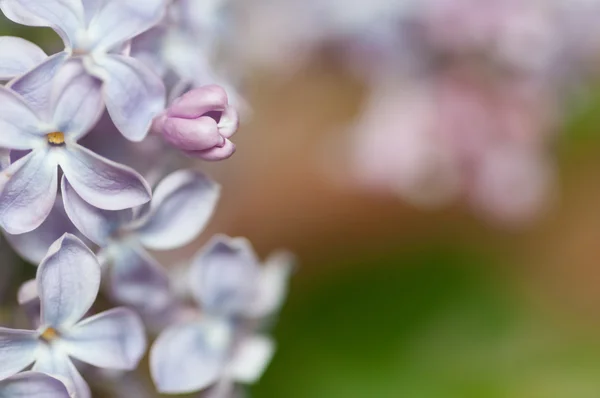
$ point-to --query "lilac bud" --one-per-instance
(200, 123)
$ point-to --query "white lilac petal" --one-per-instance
(52, 359)
(17, 350)
(33, 385)
(90, 9)
(147, 48)
(35, 86)
(272, 285)
(113, 339)
(29, 194)
(32, 246)
(19, 124)
(118, 21)
(76, 100)
(224, 276)
(18, 56)
(181, 206)
(64, 16)
(101, 182)
(68, 282)
(29, 300)
(138, 280)
(252, 356)
(95, 224)
(133, 94)
(190, 357)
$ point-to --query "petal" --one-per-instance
(192, 134)
(53, 360)
(134, 95)
(216, 153)
(252, 355)
(32, 246)
(64, 16)
(272, 285)
(33, 385)
(68, 282)
(224, 276)
(90, 8)
(180, 209)
(29, 195)
(18, 56)
(19, 124)
(113, 339)
(103, 183)
(35, 86)
(118, 21)
(77, 100)
(138, 280)
(17, 350)
(189, 357)
(199, 101)
(96, 224)
(147, 48)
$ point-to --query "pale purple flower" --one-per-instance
(227, 279)
(196, 355)
(200, 123)
(51, 134)
(98, 33)
(33, 385)
(182, 206)
(229, 285)
(68, 280)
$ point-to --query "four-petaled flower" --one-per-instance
(68, 280)
(182, 205)
(229, 285)
(97, 33)
(51, 134)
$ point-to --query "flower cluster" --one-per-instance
(462, 95)
(133, 70)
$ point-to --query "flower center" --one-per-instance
(49, 335)
(79, 52)
(56, 138)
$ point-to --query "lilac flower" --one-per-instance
(68, 280)
(97, 32)
(33, 385)
(183, 203)
(52, 134)
(215, 348)
(195, 355)
(200, 123)
(227, 279)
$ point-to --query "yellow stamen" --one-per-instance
(49, 335)
(56, 138)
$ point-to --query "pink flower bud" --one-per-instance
(200, 123)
